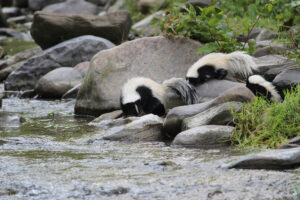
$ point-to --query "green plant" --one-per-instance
(206, 26)
(265, 124)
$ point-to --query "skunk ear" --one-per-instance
(221, 73)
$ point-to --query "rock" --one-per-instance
(266, 34)
(2, 52)
(10, 120)
(4, 73)
(145, 128)
(98, 2)
(115, 6)
(273, 72)
(269, 51)
(24, 55)
(159, 58)
(145, 5)
(107, 116)
(213, 88)
(204, 136)
(72, 6)
(268, 62)
(39, 4)
(68, 53)
(9, 32)
(2, 94)
(57, 82)
(287, 79)
(10, 11)
(144, 27)
(173, 122)
(72, 93)
(20, 3)
(17, 20)
(6, 3)
(293, 143)
(268, 43)
(113, 26)
(271, 159)
(3, 22)
(217, 115)
(253, 34)
(82, 68)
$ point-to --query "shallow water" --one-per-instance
(56, 156)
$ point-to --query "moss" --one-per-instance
(266, 124)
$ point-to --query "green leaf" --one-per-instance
(252, 11)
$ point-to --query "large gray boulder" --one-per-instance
(39, 4)
(157, 58)
(272, 159)
(173, 122)
(50, 29)
(217, 115)
(72, 6)
(68, 53)
(204, 136)
(57, 82)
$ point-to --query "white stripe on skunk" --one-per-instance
(237, 64)
(142, 95)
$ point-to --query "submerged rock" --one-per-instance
(50, 29)
(57, 82)
(72, 6)
(173, 122)
(157, 58)
(217, 115)
(204, 136)
(68, 53)
(145, 128)
(272, 159)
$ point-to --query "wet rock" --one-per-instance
(39, 4)
(272, 159)
(107, 116)
(266, 34)
(112, 26)
(57, 82)
(82, 67)
(68, 53)
(10, 11)
(24, 55)
(10, 120)
(287, 79)
(20, 3)
(144, 27)
(145, 128)
(145, 5)
(271, 61)
(273, 72)
(173, 122)
(72, 93)
(293, 143)
(72, 6)
(217, 115)
(204, 136)
(269, 51)
(159, 58)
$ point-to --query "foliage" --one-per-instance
(265, 124)
(205, 26)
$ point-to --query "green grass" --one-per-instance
(13, 46)
(265, 124)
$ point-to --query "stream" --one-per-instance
(54, 155)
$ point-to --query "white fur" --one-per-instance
(129, 93)
(257, 79)
(237, 63)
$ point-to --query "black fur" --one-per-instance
(206, 73)
(147, 104)
(259, 90)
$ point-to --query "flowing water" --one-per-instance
(54, 155)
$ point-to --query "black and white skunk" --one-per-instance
(219, 65)
(260, 87)
(142, 95)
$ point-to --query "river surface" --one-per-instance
(54, 155)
